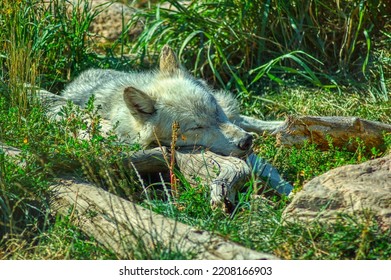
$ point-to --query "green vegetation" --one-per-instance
(318, 57)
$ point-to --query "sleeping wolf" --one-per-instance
(144, 105)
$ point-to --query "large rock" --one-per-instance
(348, 189)
(110, 17)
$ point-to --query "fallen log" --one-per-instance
(125, 227)
(9, 151)
(223, 174)
(340, 130)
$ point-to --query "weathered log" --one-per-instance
(9, 151)
(224, 174)
(125, 227)
(319, 130)
(148, 161)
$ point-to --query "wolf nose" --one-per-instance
(246, 142)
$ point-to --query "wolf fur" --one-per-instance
(144, 105)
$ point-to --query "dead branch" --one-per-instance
(319, 130)
(224, 174)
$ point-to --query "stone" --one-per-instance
(347, 189)
(112, 18)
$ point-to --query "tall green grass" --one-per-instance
(327, 43)
(40, 46)
(18, 59)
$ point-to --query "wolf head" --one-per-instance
(175, 96)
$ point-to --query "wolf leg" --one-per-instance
(254, 125)
(260, 168)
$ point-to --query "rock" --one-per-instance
(347, 189)
(112, 18)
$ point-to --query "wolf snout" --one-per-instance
(246, 143)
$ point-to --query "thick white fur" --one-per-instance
(144, 106)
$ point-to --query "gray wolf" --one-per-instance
(144, 105)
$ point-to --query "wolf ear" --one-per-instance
(138, 102)
(169, 62)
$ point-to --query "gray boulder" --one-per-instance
(347, 189)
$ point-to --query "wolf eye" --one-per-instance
(196, 127)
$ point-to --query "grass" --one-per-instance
(279, 58)
(315, 102)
